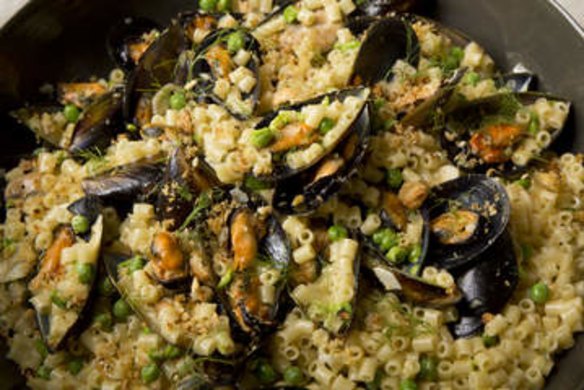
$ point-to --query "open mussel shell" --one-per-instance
(517, 81)
(134, 181)
(486, 133)
(474, 195)
(305, 192)
(215, 64)
(59, 318)
(80, 94)
(354, 124)
(125, 43)
(412, 288)
(488, 286)
(100, 122)
(155, 69)
(386, 41)
(426, 111)
(261, 256)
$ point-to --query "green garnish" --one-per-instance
(178, 101)
(490, 341)
(261, 138)
(326, 125)
(539, 293)
(394, 178)
(121, 309)
(71, 113)
(85, 272)
(149, 373)
(225, 279)
(290, 14)
(337, 232)
(396, 255)
(203, 201)
(58, 301)
(235, 42)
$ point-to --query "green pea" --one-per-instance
(265, 372)
(169, 352)
(389, 241)
(428, 368)
(378, 236)
(290, 14)
(178, 101)
(235, 42)
(378, 103)
(71, 113)
(490, 341)
(106, 287)
(85, 272)
(415, 253)
(207, 5)
(262, 137)
(337, 232)
(75, 366)
(150, 373)
(453, 59)
(394, 178)
(533, 127)
(408, 384)
(134, 264)
(41, 348)
(293, 375)
(225, 279)
(281, 120)
(224, 5)
(473, 78)
(58, 301)
(255, 184)
(539, 293)
(524, 182)
(44, 372)
(80, 224)
(104, 321)
(396, 255)
(121, 309)
(326, 125)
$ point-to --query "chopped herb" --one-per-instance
(526, 251)
(343, 47)
(326, 125)
(133, 264)
(534, 125)
(490, 341)
(75, 366)
(290, 14)
(225, 279)
(44, 372)
(254, 184)
(58, 301)
(184, 193)
(41, 348)
(261, 138)
(394, 178)
(524, 182)
(202, 202)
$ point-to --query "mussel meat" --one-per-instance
(226, 71)
(260, 256)
(128, 41)
(80, 94)
(67, 262)
(505, 130)
(302, 135)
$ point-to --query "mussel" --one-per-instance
(181, 186)
(306, 191)
(62, 287)
(469, 219)
(385, 7)
(520, 79)
(138, 180)
(300, 136)
(128, 41)
(260, 255)
(100, 122)
(502, 131)
(155, 69)
(410, 287)
(80, 94)
(386, 41)
(226, 71)
(188, 323)
(330, 300)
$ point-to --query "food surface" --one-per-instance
(321, 194)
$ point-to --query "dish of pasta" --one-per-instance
(315, 194)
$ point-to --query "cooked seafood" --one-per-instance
(311, 194)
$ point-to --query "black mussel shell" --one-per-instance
(280, 170)
(123, 35)
(44, 319)
(386, 41)
(385, 7)
(274, 251)
(502, 108)
(428, 110)
(410, 287)
(475, 193)
(129, 182)
(155, 69)
(213, 58)
(305, 192)
(100, 122)
(517, 81)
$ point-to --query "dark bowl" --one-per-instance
(61, 40)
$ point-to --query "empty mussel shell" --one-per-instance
(126, 41)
